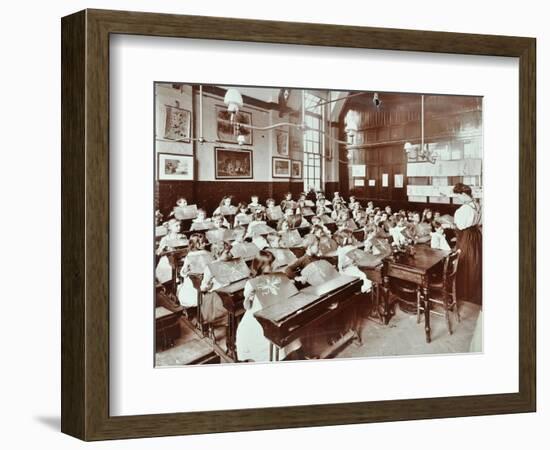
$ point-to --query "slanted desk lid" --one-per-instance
(287, 308)
(318, 272)
(227, 272)
(272, 288)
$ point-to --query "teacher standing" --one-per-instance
(467, 220)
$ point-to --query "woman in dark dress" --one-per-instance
(467, 220)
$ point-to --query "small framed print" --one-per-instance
(177, 126)
(281, 168)
(172, 166)
(296, 169)
(232, 163)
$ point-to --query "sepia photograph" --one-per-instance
(352, 228)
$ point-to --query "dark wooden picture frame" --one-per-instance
(217, 172)
(85, 228)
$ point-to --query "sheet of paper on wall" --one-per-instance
(385, 180)
(358, 170)
(359, 182)
(372, 182)
(398, 180)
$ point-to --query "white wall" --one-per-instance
(30, 333)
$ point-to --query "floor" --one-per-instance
(402, 336)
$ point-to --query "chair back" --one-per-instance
(450, 267)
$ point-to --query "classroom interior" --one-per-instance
(342, 201)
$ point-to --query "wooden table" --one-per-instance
(416, 268)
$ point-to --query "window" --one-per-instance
(312, 142)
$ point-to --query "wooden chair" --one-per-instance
(442, 289)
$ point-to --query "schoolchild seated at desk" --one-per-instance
(360, 217)
(288, 238)
(212, 308)
(438, 239)
(293, 220)
(303, 209)
(264, 289)
(226, 208)
(201, 223)
(316, 221)
(338, 198)
(242, 217)
(322, 205)
(336, 209)
(255, 205)
(345, 222)
(420, 231)
(173, 239)
(347, 265)
(258, 226)
(169, 242)
(194, 262)
(375, 245)
(287, 202)
(273, 212)
(312, 253)
(327, 245)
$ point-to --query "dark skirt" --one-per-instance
(469, 274)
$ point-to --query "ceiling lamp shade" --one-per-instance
(352, 121)
(233, 100)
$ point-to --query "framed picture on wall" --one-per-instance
(177, 126)
(296, 169)
(228, 131)
(171, 166)
(282, 141)
(232, 163)
(280, 167)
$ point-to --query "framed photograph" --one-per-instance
(178, 124)
(282, 138)
(124, 287)
(172, 166)
(280, 167)
(296, 168)
(233, 163)
(229, 128)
